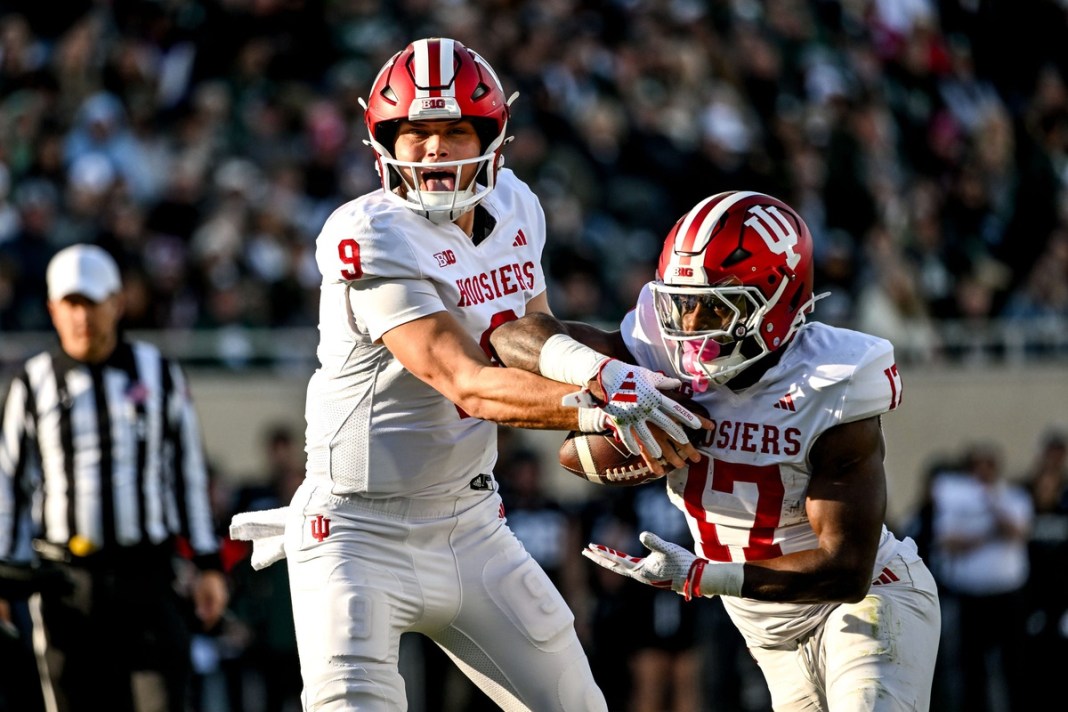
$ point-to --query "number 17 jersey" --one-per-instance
(745, 499)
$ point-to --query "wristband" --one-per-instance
(719, 579)
(566, 360)
(692, 586)
(592, 420)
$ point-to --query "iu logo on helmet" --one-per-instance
(778, 233)
(320, 527)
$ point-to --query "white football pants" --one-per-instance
(364, 571)
(877, 655)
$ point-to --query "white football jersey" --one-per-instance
(745, 500)
(373, 427)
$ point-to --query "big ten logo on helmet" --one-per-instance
(445, 258)
(778, 233)
(435, 103)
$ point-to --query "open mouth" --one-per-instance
(438, 180)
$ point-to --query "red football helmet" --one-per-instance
(437, 78)
(733, 284)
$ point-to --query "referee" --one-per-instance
(102, 478)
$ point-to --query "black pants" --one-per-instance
(118, 641)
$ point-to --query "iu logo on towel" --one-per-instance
(320, 527)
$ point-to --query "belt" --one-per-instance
(481, 487)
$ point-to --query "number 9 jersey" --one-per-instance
(373, 427)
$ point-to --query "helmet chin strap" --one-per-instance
(702, 362)
(440, 217)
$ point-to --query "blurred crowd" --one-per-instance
(204, 142)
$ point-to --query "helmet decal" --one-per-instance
(434, 76)
(777, 232)
(433, 72)
(699, 225)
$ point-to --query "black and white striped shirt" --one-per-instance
(108, 453)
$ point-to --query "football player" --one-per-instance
(398, 525)
(787, 502)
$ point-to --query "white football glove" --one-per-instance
(633, 399)
(670, 566)
(266, 529)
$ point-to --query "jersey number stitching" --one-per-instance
(726, 476)
(895, 385)
(348, 251)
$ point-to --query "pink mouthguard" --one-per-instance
(692, 354)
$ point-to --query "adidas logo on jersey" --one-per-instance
(520, 239)
(887, 576)
(789, 401)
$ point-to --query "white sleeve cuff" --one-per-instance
(566, 360)
(722, 579)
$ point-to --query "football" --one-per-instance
(604, 460)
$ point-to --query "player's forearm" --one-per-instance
(808, 577)
(518, 344)
(518, 399)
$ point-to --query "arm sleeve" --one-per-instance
(353, 247)
(370, 254)
(382, 304)
(875, 387)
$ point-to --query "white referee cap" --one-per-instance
(87, 270)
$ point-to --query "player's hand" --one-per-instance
(670, 566)
(632, 400)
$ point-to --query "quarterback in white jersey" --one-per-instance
(786, 504)
(373, 427)
(398, 526)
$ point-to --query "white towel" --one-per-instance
(266, 530)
